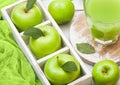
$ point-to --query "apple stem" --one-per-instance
(26, 11)
(58, 61)
(105, 71)
(43, 32)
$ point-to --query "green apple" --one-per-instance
(46, 44)
(24, 19)
(105, 72)
(56, 74)
(61, 10)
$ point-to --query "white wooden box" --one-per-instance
(37, 64)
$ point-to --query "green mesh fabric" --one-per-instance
(14, 67)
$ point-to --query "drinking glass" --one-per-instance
(103, 18)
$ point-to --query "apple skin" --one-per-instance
(23, 20)
(105, 72)
(61, 10)
(55, 74)
(47, 44)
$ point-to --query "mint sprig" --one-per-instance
(33, 32)
(30, 4)
(85, 48)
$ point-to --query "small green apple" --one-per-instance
(46, 44)
(105, 72)
(61, 10)
(55, 73)
(24, 19)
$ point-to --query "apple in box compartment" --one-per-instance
(43, 40)
(23, 14)
(63, 68)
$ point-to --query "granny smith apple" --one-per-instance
(61, 10)
(56, 74)
(46, 44)
(24, 19)
(105, 72)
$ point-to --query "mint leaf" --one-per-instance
(69, 66)
(85, 48)
(30, 4)
(33, 32)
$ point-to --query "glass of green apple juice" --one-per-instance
(103, 18)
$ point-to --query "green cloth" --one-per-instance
(14, 67)
(4, 3)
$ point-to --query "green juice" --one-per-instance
(104, 18)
